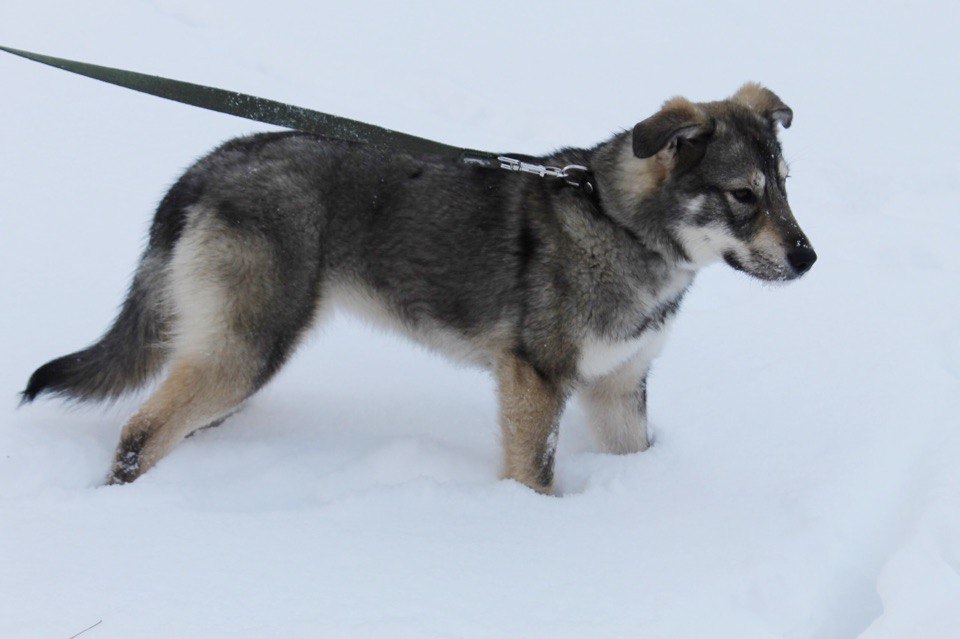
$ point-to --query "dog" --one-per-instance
(552, 290)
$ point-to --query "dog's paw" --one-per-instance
(127, 463)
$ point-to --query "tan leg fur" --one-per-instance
(195, 394)
(530, 408)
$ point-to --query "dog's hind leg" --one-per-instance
(616, 407)
(238, 310)
(530, 408)
(197, 392)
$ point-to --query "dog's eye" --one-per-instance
(744, 196)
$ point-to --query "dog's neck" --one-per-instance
(635, 267)
(628, 189)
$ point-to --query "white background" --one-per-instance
(805, 481)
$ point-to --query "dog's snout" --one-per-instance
(801, 258)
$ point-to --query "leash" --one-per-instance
(309, 121)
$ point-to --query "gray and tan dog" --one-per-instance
(551, 290)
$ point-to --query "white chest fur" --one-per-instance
(599, 357)
(602, 354)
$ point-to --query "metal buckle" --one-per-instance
(569, 169)
(565, 174)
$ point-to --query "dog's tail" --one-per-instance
(126, 357)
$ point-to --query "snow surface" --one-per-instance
(804, 482)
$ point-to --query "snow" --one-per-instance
(804, 481)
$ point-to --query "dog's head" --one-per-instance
(717, 167)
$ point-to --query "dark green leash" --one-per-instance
(307, 120)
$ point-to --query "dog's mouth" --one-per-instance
(762, 267)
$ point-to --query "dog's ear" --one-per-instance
(677, 134)
(764, 102)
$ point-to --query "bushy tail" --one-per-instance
(125, 358)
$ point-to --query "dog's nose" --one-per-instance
(801, 258)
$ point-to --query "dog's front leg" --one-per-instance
(530, 408)
(616, 406)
